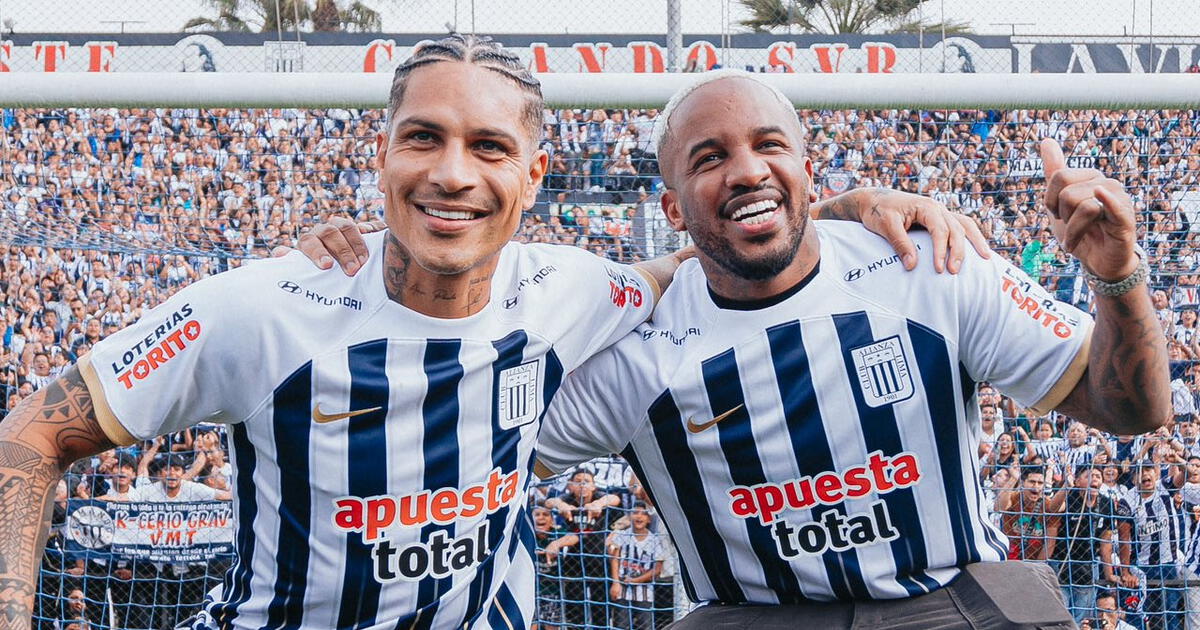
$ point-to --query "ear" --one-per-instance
(381, 143)
(537, 171)
(674, 211)
(812, 189)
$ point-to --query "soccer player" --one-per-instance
(382, 427)
(804, 420)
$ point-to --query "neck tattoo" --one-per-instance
(395, 268)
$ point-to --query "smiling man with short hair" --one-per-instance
(811, 441)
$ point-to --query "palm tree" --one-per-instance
(327, 16)
(844, 16)
(260, 15)
(227, 18)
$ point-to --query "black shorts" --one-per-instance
(987, 596)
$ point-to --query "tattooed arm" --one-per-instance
(891, 213)
(39, 439)
(847, 206)
(1126, 387)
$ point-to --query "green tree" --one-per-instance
(260, 16)
(844, 16)
(356, 16)
(227, 18)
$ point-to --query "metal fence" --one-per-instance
(105, 212)
(137, 203)
(613, 35)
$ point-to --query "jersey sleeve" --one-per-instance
(185, 361)
(609, 301)
(594, 414)
(1016, 336)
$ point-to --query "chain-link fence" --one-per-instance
(612, 36)
(139, 534)
(105, 212)
(108, 212)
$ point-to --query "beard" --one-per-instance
(764, 266)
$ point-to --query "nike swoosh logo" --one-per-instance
(696, 428)
(322, 418)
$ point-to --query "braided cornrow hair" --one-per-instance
(480, 50)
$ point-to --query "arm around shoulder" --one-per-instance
(658, 272)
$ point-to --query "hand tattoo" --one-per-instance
(840, 208)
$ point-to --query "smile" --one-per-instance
(755, 213)
(449, 215)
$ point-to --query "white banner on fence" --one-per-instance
(1032, 167)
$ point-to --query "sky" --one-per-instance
(1048, 17)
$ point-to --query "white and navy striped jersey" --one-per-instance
(382, 456)
(1072, 457)
(1191, 542)
(1160, 528)
(1126, 449)
(1048, 450)
(821, 445)
(636, 556)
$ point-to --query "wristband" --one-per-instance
(1124, 285)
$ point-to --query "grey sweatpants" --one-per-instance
(987, 596)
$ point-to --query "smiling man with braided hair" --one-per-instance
(382, 426)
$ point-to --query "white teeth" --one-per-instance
(750, 214)
(758, 218)
(451, 215)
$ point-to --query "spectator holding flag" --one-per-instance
(165, 587)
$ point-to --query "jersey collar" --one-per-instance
(767, 302)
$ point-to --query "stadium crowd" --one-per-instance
(105, 213)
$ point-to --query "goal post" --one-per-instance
(610, 90)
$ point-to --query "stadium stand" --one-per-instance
(108, 212)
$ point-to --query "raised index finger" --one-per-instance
(1052, 162)
(1052, 157)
